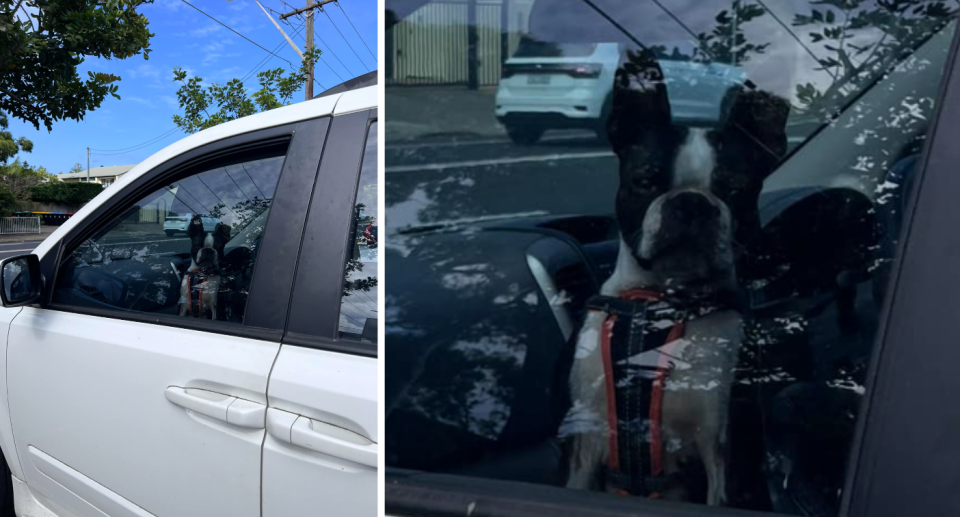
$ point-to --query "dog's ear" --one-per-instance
(221, 233)
(640, 102)
(195, 228)
(758, 120)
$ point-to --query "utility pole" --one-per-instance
(309, 9)
(308, 91)
(88, 165)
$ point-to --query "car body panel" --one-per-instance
(6, 429)
(116, 428)
(333, 388)
(577, 98)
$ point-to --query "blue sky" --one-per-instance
(188, 39)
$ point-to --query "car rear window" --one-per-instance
(532, 48)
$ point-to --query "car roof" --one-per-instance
(336, 104)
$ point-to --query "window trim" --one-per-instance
(329, 223)
(906, 352)
(445, 495)
(191, 162)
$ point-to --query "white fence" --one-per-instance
(432, 47)
(19, 225)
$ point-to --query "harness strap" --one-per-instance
(635, 392)
(195, 293)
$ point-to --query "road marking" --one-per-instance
(486, 141)
(500, 161)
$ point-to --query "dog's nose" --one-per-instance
(690, 205)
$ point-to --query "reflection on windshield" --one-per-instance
(521, 168)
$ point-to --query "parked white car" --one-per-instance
(569, 85)
(177, 223)
(264, 405)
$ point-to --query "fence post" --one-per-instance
(473, 39)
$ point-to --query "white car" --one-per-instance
(569, 85)
(178, 223)
(114, 404)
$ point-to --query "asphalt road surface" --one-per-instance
(567, 173)
(158, 244)
(12, 249)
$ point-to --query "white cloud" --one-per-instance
(170, 100)
(239, 6)
(207, 30)
(139, 100)
(170, 5)
(213, 46)
(144, 70)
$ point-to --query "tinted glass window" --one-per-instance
(186, 249)
(358, 305)
(655, 268)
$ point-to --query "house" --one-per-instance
(103, 175)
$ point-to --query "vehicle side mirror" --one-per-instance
(21, 280)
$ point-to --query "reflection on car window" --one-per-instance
(186, 249)
(358, 305)
(640, 246)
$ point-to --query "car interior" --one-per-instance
(483, 391)
(146, 277)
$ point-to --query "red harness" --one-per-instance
(635, 392)
(195, 282)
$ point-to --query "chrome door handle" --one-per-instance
(233, 410)
(321, 437)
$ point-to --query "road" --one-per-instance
(12, 249)
(153, 244)
(567, 173)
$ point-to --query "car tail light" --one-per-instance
(586, 71)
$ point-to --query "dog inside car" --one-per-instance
(655, 358)
(200, 286)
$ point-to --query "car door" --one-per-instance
(321, 448)
(841, 403)
(122, 406)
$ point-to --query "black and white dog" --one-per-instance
(686, 205)
(200, 285)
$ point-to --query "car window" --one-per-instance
(358, 304)
(654, 268)
(186, 249)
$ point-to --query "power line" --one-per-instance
(324, 11)
(358, 32)
(324, 61)
(233, 31)
(267, 59)
(253, 181)
(335, 54)
(140, 145)
(330, 50)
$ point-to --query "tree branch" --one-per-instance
(24, 9)
(23, 103)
